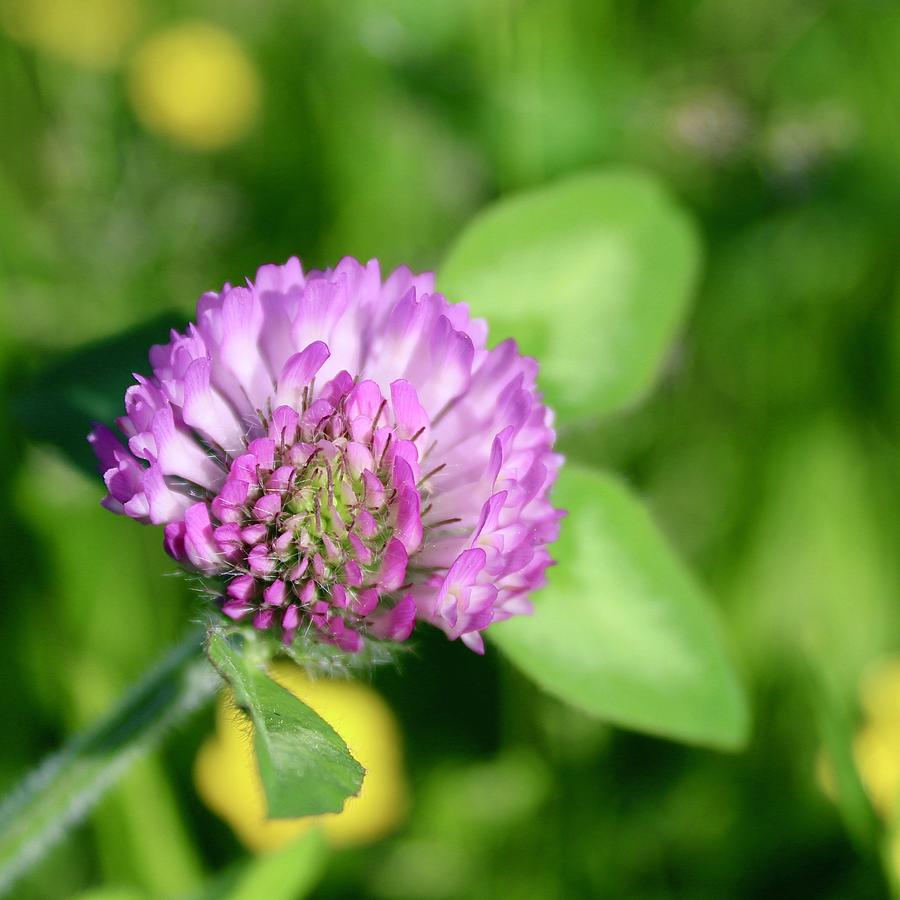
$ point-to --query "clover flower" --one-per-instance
(342, 456)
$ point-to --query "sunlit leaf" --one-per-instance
(305, 766)
(622, 630)
(591, 276)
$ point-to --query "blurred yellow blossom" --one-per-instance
(876, 750)
(227, 779)
(876, 746)
(92, 33)
(879, 692)
(194, 84)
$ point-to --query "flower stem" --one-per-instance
(62, 789)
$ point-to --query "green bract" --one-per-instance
(306, 768)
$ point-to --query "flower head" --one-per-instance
(342, 456)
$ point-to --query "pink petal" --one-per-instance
(408, 520)
(267, 507)
(365, 602)
(283, 427)
(199, 540)
(227, 505)
(242, 588)
(396, 624)
(163, 505)
(299, 370)
(275, 593)
(474, 641)
(409, 414)
(393, 566)
(205, 410)
(178, 454)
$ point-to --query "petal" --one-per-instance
(300, 370)
(242, 588)
(260, 562)
(173, 540)
(409, 415)
(465, 569)
(241, 324)
(291, 618)
(283, 427)
(263, 619)
(267, 507)
(396, 624)
(280, 480)
(205, 410)
(359, 458)
(199, 540)
(228, 505)
(373, 490)
(352, 573)
(362, 553)
(408, 519)
(393, 566)
(236, 609)
(474, 641)
(442, 369)
(365, 524)
(365, 602)
(178, 454)
(105, 446)
(489, 519)
(275, 593)
(136, 508)
(163, 504)
(364, 399)
(263, 449)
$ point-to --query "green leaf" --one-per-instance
(60, 792)
(289, 873)
(86, 386)
(306, 768)
(622, 630)
(591, 275)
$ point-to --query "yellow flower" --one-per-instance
(879, 691)
(92, 33)
(228, 782)
(876, 748)
(876, 745)
(194, 84)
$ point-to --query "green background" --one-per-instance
(767, 451)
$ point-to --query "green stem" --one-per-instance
(62, 790)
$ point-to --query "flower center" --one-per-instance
(316, 520)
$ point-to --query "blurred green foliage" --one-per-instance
(768, 452)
